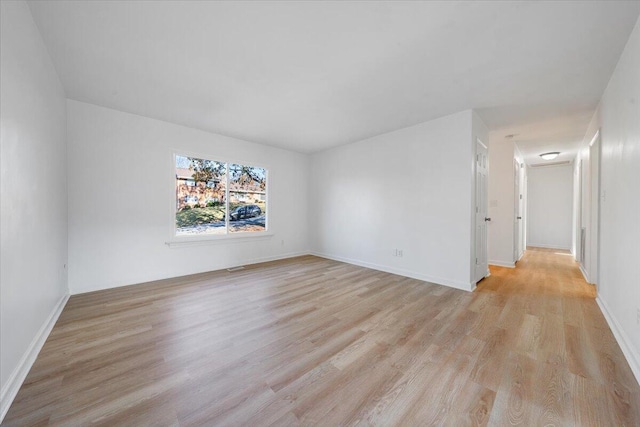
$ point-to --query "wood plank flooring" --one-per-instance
(309, 341)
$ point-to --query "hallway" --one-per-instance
(542, 271)
(564, 365)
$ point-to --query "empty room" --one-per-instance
(300, 213)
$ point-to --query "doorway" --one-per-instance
(481, 208)
(518, 196)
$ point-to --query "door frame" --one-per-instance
(595, 197)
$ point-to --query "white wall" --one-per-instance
(619, 120)
(33, 242)
(501, 202)
(550, 206)
(121, 192)
(411, 190)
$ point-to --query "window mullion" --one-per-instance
(226, 201)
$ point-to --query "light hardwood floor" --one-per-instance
(309, 341)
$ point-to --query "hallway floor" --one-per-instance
(556, 331)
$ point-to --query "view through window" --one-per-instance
(216, 198)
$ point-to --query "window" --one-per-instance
(219, 198)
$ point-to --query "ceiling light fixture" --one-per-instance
(550, 155)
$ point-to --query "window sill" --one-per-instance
(214, 240)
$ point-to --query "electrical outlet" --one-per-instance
(400, 253)
(395, 252)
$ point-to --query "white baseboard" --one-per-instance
(632, 356)
(276, 257)
(543, 245)
(147, 279)
(401, 272)
(575, 256)
(584, 274)
(503, 264)
(11, 388)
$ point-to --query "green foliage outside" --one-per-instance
(189, 217)
(198, 216)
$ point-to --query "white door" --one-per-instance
(518, 246)
(516, 210)
(482, 169)
(523, 209)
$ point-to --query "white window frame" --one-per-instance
(176, 240)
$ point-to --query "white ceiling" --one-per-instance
(564, 133)
(310, 75)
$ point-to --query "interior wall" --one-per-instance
(550, 206)
(618, 118)
(33, 205)
(501, 202)
(122, 189)
(408, 190)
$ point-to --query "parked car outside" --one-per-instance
(248, 211)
